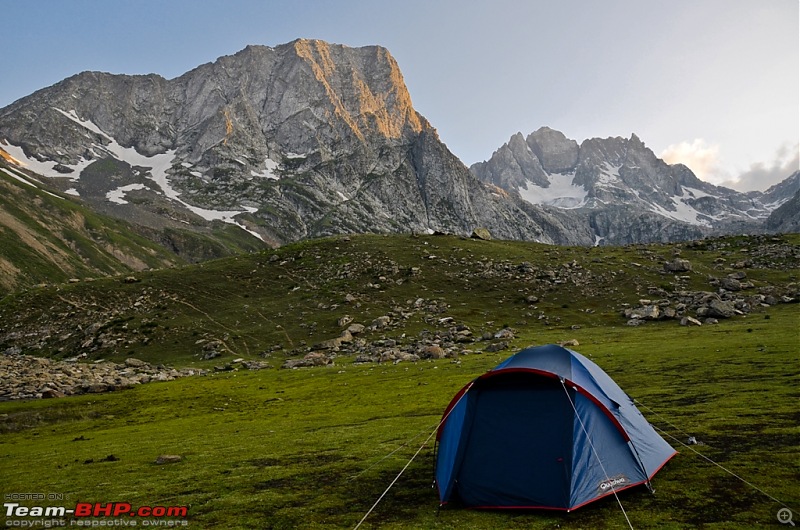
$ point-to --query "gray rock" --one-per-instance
(678, 265)
(168, 459)
(481, 233)
(355, 329)
(730, 284)
(495, 347)
(720, 309)
(505, 334)
(381, 322)
(647, 312)
(134, 363)
(432, 352)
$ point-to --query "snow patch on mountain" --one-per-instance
(269, 172)
(609, 175)
(44, 167)
(562, 192)
(118, 195)
(28, 182)
(159, 164)
(684, 211)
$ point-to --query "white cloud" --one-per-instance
(762, 175)
(703, 159)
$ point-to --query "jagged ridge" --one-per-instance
(623, 190)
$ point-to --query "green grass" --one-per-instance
(292, 297)
(310, 448)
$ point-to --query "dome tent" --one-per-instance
(547, 428)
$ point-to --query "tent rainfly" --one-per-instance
(545, 429)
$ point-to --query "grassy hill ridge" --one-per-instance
(282, 303)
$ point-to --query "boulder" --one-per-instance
(311, 359)
(49, 393)
(168, 459)
(381, 322)
(505, 334)
(647, 312)
(730, 284)
(678, 265)
(720, 309)
(495, 347)
(130, 362)
(330, 344)
(355, 329)
(432, 352)
(482, 234)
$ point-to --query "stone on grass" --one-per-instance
(168, 459)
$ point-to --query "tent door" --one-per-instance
(519, 446)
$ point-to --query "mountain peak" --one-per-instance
(556, 152)
(301, 140)
(364, 87)
(621, 186)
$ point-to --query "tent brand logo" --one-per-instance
(612, 483)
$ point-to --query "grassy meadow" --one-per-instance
(316, 447)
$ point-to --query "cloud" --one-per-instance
(761, 175)
(703, 159)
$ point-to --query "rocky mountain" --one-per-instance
(780, 193)
(47, 238)
(310, 139)
(50, 237)
(622, 190)
(305, 139)
(786, 217)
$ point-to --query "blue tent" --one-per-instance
(546, 428)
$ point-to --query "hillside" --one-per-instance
(413, 291)
(258, 446)
(48, 237)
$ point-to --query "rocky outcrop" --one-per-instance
(28, 377)
(735, 295)
(786, 218)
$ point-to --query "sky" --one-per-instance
(713, 84)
